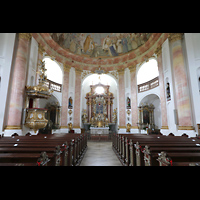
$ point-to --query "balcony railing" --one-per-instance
(148, 85)
(53, 85)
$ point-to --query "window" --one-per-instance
(147, 71)
(54, 73)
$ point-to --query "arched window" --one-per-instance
(147, 71)
(54, 73)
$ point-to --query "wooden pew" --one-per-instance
(71, 154)
(151, 153)
(179, 159)
(127, 153)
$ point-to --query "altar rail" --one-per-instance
(53, 85)
(148, 85)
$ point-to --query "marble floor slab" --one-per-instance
(100, 154)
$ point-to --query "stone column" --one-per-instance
(181, 84)
(122, 112)
(17, 94)
(162, 89)
(77, 100)
(134, 108)
(65, 89)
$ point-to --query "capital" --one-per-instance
(175, 36)
(66, 67)
(26, 36)
(40, 49)
(78, 71)
(158, 51)
(132, 68)
(120, 71)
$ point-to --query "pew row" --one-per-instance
(144, 150)
(43, 150)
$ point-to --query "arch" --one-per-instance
(155, 100)
(147, 71)
(94, 76)
(54, 71)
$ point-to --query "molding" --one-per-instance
(164, 127)
(185, 128)
(15, 127)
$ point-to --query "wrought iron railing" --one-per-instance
(148, 85)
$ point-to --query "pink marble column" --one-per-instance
(77, 100)
(122, 114)
(134, 108)
(65, 90)
(181, 85)
(18, 82)
(162, 89)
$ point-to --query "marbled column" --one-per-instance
(18, 82)
(181, 85)
(122, 112)
(65, 90)
(162, 89)
(134, 108)
(77, 100)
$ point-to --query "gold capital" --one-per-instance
(120, 71)
(26, 36)
(40, 49)
(132, 68)
(158, 51)
(175, 36)
(66, 67)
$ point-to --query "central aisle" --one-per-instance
(100, 154)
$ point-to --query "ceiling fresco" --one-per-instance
(100, 45)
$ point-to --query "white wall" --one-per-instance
(7, 42)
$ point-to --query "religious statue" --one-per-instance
(70, 126)
(84, 116)
(128, 103)
(70, 103)
(128, 127)
(168, 92)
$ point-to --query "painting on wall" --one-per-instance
(100, 44)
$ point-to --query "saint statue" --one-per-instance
(70, 103)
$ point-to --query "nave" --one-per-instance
(100, 154)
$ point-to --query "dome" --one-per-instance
(111, 51)
(100, 45)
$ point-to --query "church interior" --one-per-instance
(102, 87)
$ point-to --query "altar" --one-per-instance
(99, 130)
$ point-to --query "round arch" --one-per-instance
(54, 70)
(147, 71)
(155, 100)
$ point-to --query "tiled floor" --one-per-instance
(100, 154)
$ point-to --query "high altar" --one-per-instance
(99, 108)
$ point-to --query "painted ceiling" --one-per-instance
(116, 50)
(100, 45)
